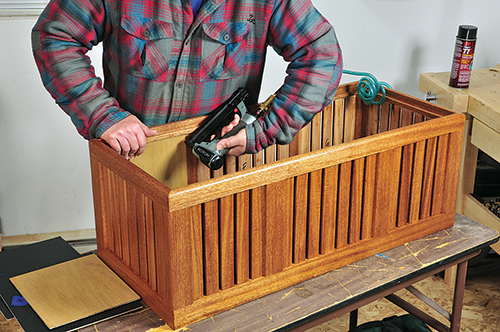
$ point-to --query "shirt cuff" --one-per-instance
(107, 122)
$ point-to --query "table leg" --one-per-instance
(353, 320)
(458, 297)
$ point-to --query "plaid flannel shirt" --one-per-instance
(162, 65)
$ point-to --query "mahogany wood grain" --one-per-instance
(369, 197)
(211, 247)
(405, 185)
(349, 185)
(226, 239)
(357, 180)
(327, 121)
(430, 164)
(350, 119)
(338, 122)
(329, 209)
(257, 232)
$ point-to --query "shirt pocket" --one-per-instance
(146, 47)
(223, 50)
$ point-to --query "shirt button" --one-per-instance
(179, 85)
(146, 33)
(226, 37)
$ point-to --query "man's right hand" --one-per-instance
(128, 137)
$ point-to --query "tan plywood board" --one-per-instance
(73, 290)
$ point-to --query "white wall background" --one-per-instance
(44, 164)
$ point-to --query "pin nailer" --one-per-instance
(205, 148)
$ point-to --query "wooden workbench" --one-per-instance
(343, 290)
(481, 104)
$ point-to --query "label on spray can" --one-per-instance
(463, 57)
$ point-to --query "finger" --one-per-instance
(142, 144)
(114, 144)
(236, 144)
(142, 136)
(231, 125)
(125, 147)
(134, 146)
(148, 132)
(236, 119)
(226, 129)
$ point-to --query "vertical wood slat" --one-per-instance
(386, 194)
(338, 122)
(416, 186)
(161, 253)
(242, 235)
(300, 218)
(350, 119)
(122, 194)
(107, 211)
(227, 233)
(301, 200)
(329, 185)
(359, 119)
(356, 201)
(314, 215)
(270, 153)
(142, 237)
(115, 216)
(279, 207)
(429, 169)
(373, 120)
(293, 147)
(226, 242)
(417, 118)
(329, 204)
(283, 152)
(453, 158)
(394, 187)
(314, 192)
(133, 232)
(394, 118)
(439, 178)
(179, 241)
(384, 117)
(151, 244)
(258, 212)
(198, 287)
(369, 196)
(406, 117)
(405, 185)
(343, 207)
(211, 247)
(327, 114)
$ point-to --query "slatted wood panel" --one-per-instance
(131, 227)
(339, 207)
(333, 195)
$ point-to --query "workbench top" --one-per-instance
(332, 291)
(481, 99)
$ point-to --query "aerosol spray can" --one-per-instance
(465, 46)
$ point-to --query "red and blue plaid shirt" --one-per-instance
(162, 65)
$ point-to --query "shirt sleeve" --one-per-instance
(305, 39)
(65, 31)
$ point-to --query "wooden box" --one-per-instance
(357, 181)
